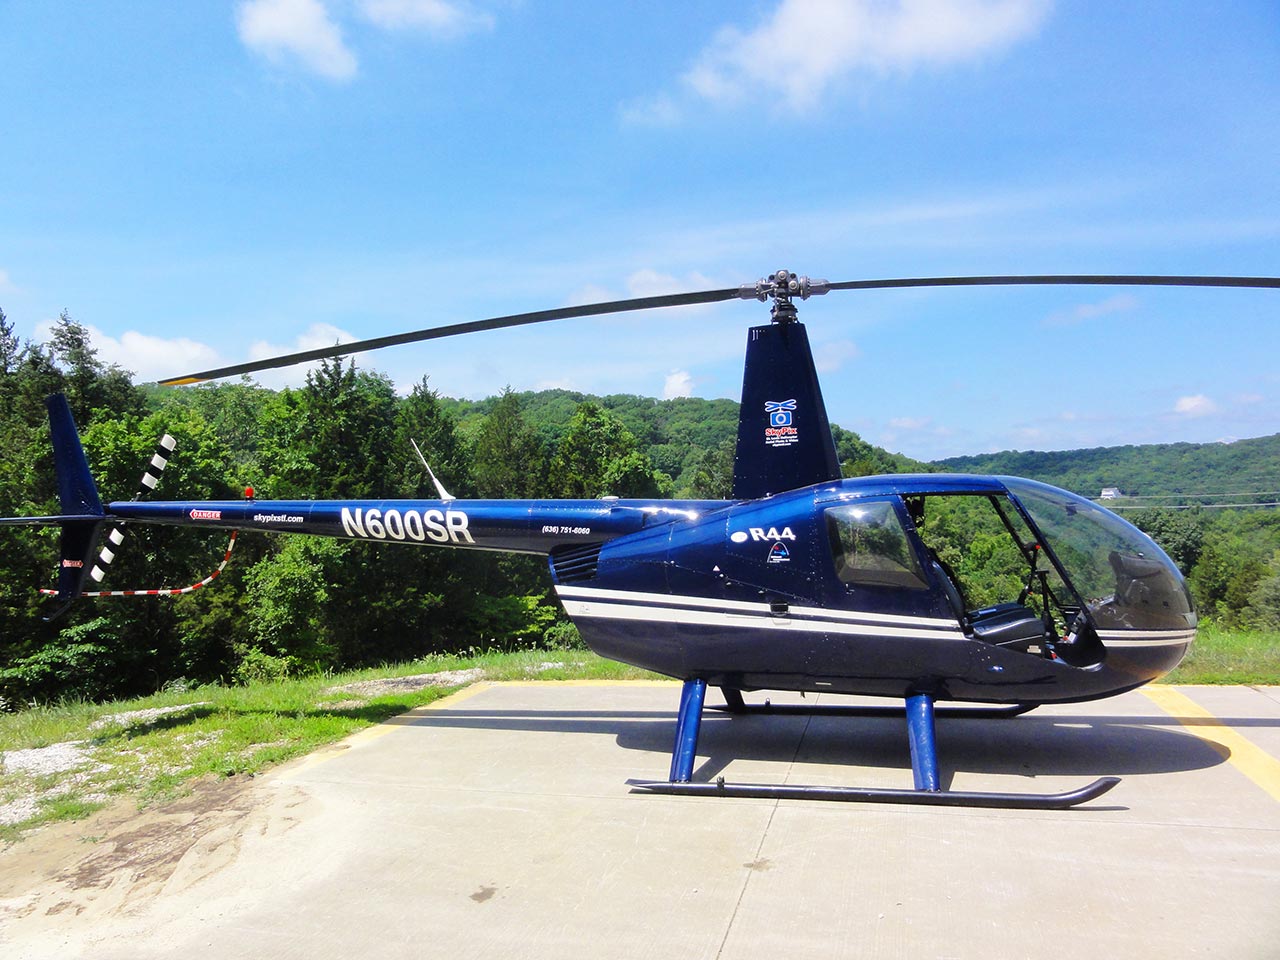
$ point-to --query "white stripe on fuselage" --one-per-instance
(1145, 638)
(703, 611)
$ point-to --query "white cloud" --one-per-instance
(678, 384)
(6, 284)
(830, 357)
(148, 358)
(909, 423)
(651, 283)
(434, 16)
(660, 111)
(797, 53)
(645, 283)
(300, 30)
(1120, 303)
(316, 337)
(1195, 406)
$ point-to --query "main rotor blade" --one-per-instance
(746, 292)
(1121, 280)
(453, 329)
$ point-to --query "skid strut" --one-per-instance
(924, 768)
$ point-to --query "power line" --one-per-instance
(1191, 506)
(1184, 496)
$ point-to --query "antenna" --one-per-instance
(444, 494)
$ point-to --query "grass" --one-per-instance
(237, 731)
(227, 731)
(1222, 655)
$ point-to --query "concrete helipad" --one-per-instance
(498, 824)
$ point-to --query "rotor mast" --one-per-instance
(783, 287)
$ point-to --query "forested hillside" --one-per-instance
(1186, 473)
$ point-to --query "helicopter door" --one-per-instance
(876, 562)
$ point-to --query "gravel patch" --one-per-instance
(133, 718)
(38, 761)
(386, 685)
(24, 808)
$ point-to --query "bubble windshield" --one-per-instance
(1124, 579)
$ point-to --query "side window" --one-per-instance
(870, 547)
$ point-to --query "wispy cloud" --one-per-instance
(1120, 303)
(1195, 406)
(6, 284)
(315, 337)
(307, 33)
(296, 31)
(830, 357)
(437, 17)
(802, 49)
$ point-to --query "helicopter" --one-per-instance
(802, 581)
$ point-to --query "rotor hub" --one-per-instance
(782, 287)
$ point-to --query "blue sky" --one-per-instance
(202, 183)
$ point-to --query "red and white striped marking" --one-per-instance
(162, 591)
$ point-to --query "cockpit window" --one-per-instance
(981, 542)
(870, 547)
(1123, 577)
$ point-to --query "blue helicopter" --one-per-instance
(802, 581)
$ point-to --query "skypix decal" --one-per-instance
(778, 553)
(780, 432)
(438, 526)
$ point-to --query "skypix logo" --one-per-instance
(438, 526)
(780, 432)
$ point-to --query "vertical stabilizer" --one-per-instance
(77, 494)
(78, 502)
(784, 437)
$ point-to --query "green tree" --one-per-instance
(713, 473)
(508, 460)
(90, 384)
(421, 418)
(595, 444)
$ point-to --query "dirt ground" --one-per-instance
(120, 857)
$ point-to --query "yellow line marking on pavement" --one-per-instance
(326, 753)
(652, 684)
(1246, 756)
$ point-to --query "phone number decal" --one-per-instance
(572, 531)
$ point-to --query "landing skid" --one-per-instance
(941, 798)
(919, 711)
(733, 703)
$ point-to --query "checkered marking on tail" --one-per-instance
(150, 477)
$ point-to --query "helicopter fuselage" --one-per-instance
(832, 587)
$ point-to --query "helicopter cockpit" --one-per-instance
(1022, 565)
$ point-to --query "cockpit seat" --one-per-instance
(1007, 625)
